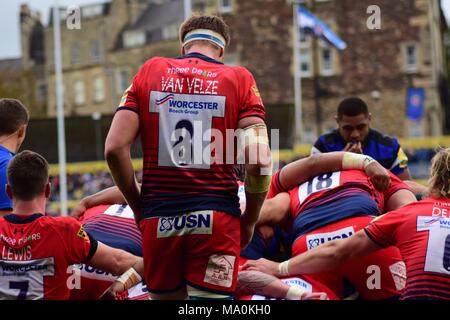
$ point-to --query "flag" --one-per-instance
(313, 24)
(415, 103)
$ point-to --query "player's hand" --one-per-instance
(262, 265)
(113, 292)
(354, 147)
(79, 210)
(314, 296)
(378, 175)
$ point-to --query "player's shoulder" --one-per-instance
(330, 138)
(383, 139)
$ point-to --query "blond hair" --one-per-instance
(439, 182)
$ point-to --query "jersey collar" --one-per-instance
(199, 56)
(21, 218)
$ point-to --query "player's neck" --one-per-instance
(10, 144)
(204, 50)
(22, 207)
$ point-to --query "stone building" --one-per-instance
(100, 59)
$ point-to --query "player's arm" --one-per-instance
(323, 258)
(112, 260)
(110, 195)
(255, 282)
(121, 135)
(399, 199)
(125, 282)
(304, 169)
(258, 166)
(275, 211)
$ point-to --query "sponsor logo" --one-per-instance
(81, 233)
(398, 271)
(444, 223)
(220, 270)
(165, 99)
(199, 222)
(315, 240)
(256, 91)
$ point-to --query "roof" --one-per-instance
(155, 18)
(13, 64)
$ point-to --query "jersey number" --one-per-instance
(24, 280)
(185, 127)
(22, 286)
(319, 183)
(438, 250)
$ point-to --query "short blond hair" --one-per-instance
(439, 182)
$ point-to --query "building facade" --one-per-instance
(379, 64)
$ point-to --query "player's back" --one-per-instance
(184, 104)
(421, 231)
(335, 196)
(36, 252)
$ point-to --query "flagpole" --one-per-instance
(187, 9)
(60, 110)
(297, 76)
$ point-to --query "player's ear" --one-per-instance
(9, 191)
(337, 119)
(48, 190)
(22, 131)
(370, 116)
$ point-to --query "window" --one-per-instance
(75, 53)
(170, 32)
(95, 51)
(99, 89)
(305, 58)
(326, 58)
(225, 6)
(41, 92)
(305, 63)
(79, 93)
(122, 81)
(410, 51)
(133, 38)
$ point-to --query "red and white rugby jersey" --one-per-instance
(180, 102)
(334, 196)
(421, 231)
(36, 252)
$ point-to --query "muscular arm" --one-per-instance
(114, 261)
(399, 199)
(275, 211)
(258, 162)
(123, 132)
(255, 282)
(110, 195)
(302, 170)
(323, 258)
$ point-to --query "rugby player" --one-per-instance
(13, 127)
(187, 208)
(336, 205)
(355, 135)
(37, 250)
(420, 230)
(113, 225)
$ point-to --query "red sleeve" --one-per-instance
(382, 230)
(275, 186)
(78, 243)
(251, 102)
(130, 100)
(396, 184)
